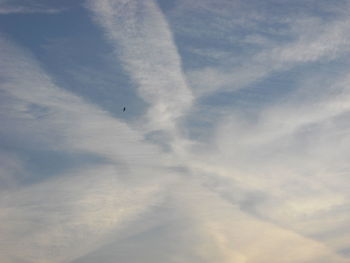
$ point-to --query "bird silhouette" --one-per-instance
(124, 109)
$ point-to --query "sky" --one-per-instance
(234, 146)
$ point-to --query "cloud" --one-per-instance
(289, 162)
(284, 161)
(269, 185)
(276, 43)
(226, 233)
(10, 167)
(142, 39)
(18, 7)
(60, 118)
(65, 217)
(5, 10)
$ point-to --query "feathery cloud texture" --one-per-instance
(239, 152)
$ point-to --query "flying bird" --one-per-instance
(124, 109)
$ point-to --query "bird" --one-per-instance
(124, 109)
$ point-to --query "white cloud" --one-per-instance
(293, 155)
(287, 163)
(64, 218)
(61, 219)
(311, 39)
(226, 234)
(10, 167)
(67, 122)
(142, 39)
(264, 189)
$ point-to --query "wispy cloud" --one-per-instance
(142, 38)
(62, 219)
(267, 184)
(61, 121)
(5, 10)
(65, 118)
(310, 39)
(18, 7)
(289, 162)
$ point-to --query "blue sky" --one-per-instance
(233, 147)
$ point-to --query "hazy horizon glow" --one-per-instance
(234, 145)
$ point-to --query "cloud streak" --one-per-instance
(60, 219)
(18, 7)
(313, 39)
(266, 184)
(142, 39)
